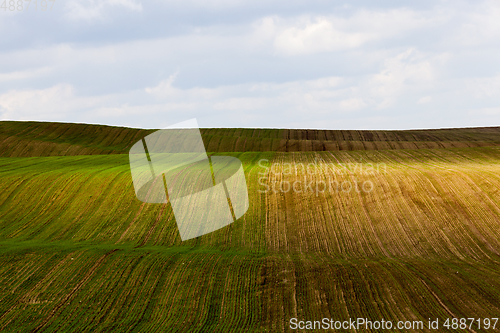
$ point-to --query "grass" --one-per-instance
(79, 253)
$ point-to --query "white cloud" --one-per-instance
(25, 74)
(320, 96)
(485, 112)
(316, 35)
(424, 100)
(243, 103)
(88, 10)
(409, 69)
(485, 87)
(352, 104)
(166, 90)
(313, 34)
(56, 102)
(480, 26)
(307, 99)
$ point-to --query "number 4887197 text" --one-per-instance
(21, 5)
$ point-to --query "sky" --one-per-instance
(238, 63)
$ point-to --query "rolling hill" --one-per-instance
(400, 226)
(23, 139)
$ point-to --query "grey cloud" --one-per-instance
(395, 64)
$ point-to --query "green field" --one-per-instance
(79, 252)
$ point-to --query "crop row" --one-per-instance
(89, 290)
(350, 204)
(79, 252)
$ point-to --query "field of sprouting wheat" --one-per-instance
(402, 232)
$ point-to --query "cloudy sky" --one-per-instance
(238, 63)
